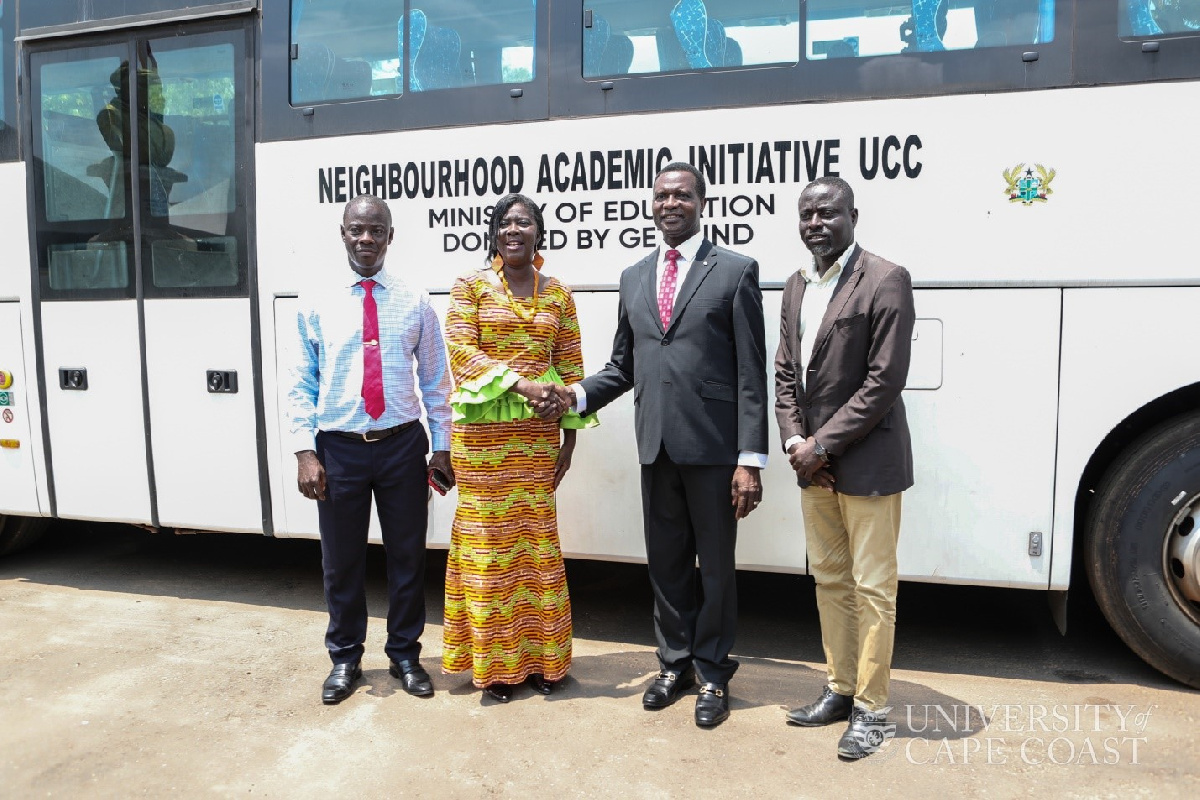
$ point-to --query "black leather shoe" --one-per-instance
(340, 683)
(712, 706)
(413, 677)
(668, 687)
(500, 692)
(831, 707)
(867, 733)
(541, 685)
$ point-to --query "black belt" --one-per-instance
(377, 435)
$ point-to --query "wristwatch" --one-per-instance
(820, 450)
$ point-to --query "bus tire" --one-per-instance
(17, 533)
(1142, 548)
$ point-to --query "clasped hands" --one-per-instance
(548, 400)
(808, 465)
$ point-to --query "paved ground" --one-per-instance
(136, 664)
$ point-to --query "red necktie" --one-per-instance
(666, 289)
(372, 389)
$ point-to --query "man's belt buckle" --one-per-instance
(367, 436)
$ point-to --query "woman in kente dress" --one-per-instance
(510, 330)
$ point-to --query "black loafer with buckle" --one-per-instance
(712, 706)
(668, 687)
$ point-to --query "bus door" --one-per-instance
(140, 204)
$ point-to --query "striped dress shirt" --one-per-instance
(327, 376)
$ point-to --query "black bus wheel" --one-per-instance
(1142, 548)
(17, 533)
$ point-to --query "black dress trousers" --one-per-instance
(391, 470)
(689, 516)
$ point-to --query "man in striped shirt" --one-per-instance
(355, 427)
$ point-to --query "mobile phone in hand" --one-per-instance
(439, 481)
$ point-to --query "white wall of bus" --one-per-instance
(993, 273)
(23, 487)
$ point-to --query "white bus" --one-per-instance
(174, 171)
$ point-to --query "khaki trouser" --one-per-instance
(852, 555)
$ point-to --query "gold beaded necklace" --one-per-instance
(498, 266)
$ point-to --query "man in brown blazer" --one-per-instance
(845, 339)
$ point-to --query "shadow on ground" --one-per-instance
(1004, 633)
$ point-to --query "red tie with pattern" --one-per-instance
(666, 289)
(372, 389)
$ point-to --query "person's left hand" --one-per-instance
(746, 490)
(562, 464)
(440, 460)
(823, 479)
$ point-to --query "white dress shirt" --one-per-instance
(817, 294)
(327, 375)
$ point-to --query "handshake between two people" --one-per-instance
(548, 400)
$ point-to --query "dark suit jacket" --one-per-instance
(700, 387)
(851, 397)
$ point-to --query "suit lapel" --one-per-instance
(851, 274)
(648, 278)
(706, 259)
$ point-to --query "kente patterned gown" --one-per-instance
(508, 614)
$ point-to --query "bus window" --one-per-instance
(84, 147)
(354, 49)
(837, 29)
(452, 44)
(1141, 18)
(647, 36)
(345, 49)
(83, 154)
(191, 202)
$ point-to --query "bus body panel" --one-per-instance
(1048, 227)
(14, 232)
(948, 212)
(295, 514)
(961, 523)
(23, 485)
(1122, 349)
(97, 436)
(18, 476)
(927, 171)
(204, 443)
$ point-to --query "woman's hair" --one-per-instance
(501, 208)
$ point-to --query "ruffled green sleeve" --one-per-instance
(488, 399)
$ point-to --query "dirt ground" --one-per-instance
(137, 664)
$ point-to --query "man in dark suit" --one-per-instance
(845, 339)
(690, 343)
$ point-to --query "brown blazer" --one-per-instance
(851, 397)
